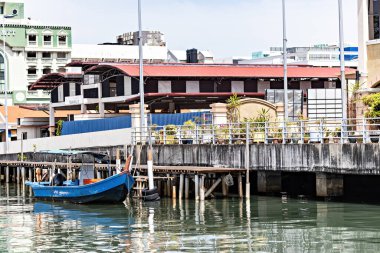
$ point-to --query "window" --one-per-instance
(31, 55)
(295, 101)
(62, 40)
(32, 40)
(61, 55)
(46, 71)
(32, 71)
(62, 70)
(1, 9)
(47, 40)
(46, 55)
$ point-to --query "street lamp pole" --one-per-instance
(342, 68)
(141, 67)
(285, 60)
(5, 62)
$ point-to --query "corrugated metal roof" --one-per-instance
(243, 71)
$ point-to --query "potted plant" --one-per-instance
(170, 132)
(306, 138)
(352, 137)
(327, 134)
(188, 132)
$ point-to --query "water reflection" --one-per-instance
(260, 224)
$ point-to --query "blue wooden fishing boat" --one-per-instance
(110, 190)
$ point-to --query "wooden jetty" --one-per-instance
(172, 181)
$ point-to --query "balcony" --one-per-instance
(47, 60)
(32, 43)
(47, 43)
(31, 59)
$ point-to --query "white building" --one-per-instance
(318, 55)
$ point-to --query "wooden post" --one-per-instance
(7, 174)
(212, 188)
(201, 188)
(159, 187)
(224, 188)
(240, 185)
(174, 194)
(181, 178)
(187, 182)
(168, 191)
(196, 180)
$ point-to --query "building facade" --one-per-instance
(322, 55)
(32, 50)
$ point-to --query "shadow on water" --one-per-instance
(265, 224)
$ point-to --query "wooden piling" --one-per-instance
(181, 179)
(174, 194)
(187, 182)
(201, 188)
(212, 188)
(168, 185)
(224, 188)
(240, 185)
(196, 180)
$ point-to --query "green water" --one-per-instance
(264, 224)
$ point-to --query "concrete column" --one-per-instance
(269, 181)
(363, 37)
(181, 179)
(18, 171)
(136, 118)
(280, 111)
(7, 174)
(101, 109)
(196, 180)
(83, 108)
(201, 188)
(23, 175)
(219, 113)
(329, 185)
(51, 121)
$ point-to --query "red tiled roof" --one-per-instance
(162, 70)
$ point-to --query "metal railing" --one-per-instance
(296, 132)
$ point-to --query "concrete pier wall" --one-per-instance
(355, 158)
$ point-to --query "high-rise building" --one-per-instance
(32, 50)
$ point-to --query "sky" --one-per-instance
(225, 27)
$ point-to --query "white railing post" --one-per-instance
(321, 131)
(213, 134)
(247, 133)
(341, 131)
(364, 130)
(283, 132)
(266, 132)
(229, 134)
(180, 135)
(196, 134)
(302, 132)
(164, 135)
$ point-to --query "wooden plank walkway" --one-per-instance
(191, 169)
(58, 165)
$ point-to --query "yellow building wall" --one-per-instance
(251, 108)
(373, 65)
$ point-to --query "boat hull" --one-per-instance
(111, 190)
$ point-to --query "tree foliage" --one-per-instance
(373, 103)
(233, 112)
